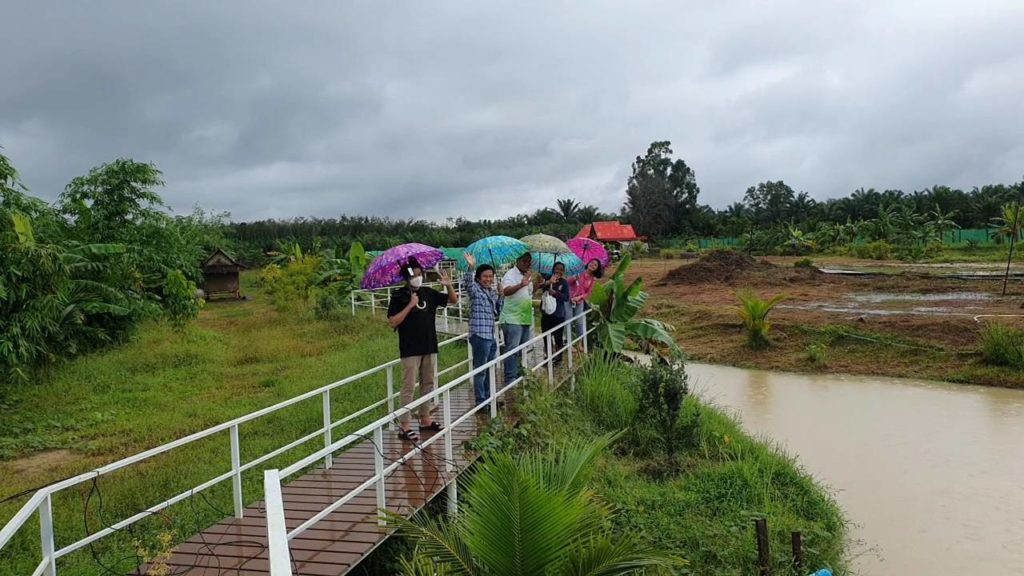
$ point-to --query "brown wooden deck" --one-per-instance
(238, 546)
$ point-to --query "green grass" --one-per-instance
(237, 358)
(1002, 345)
(704, 509)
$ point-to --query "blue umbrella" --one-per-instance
(544, 262)
(495, 250)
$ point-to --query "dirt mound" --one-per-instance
(721, 266)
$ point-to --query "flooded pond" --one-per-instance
(967, 304)
(930, 474)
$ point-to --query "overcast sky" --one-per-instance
(487, 109)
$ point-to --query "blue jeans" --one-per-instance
(515, 335)
(484, 350)
(578, 309)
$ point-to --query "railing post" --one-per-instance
(352, 298)
(46, 536)
(492, 374)
(391, 393)
(586, 350)
(445, 314)
(551, 360)
(568, 350)
(236, 467)
(279, 556)
(378, 467)
(448, 450)
(329, 458)
(373, 303)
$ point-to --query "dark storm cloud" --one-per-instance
(269, 109)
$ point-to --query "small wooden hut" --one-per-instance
(220, 275)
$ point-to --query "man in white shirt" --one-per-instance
(517, 313)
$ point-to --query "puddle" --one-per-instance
(883, 297)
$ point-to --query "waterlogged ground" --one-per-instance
(893, 319)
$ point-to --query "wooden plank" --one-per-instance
(332, 547)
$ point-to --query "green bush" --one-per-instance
(877, 250)
(662, 389)
(804, 263)
(296, 282)
(1002, 345)
(179, 299)
(817, 354)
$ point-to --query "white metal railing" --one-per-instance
(277, 532)
(41, 501)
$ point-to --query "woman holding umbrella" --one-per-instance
(580, 288)
(484, 308)
(557, 288)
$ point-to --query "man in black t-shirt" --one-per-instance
(411, 312)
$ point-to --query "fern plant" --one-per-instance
(754, 313)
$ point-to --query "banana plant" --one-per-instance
(617, 304)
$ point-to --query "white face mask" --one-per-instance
(416, 282)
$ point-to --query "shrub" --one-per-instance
(662, 389)
(804, 263)
(295, 282)
(971, 245)
(1002, 345)
(754, 313)
(268, 275)
(877, 250)
(179, 299)
(816, 354)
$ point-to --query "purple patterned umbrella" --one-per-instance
(385, 270)
(588, 249)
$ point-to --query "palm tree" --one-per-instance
(940, 221)
(1008, 223)
(568, 209)
(588, 213)
(529, 514)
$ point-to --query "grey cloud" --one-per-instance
(432, 110)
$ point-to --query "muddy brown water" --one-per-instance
(931, 475)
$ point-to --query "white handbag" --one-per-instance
(548, 304)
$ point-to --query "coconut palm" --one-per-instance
(567, 208)
(1008, 223)
(754, 313)
(529, 515)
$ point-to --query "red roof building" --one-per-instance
(609, 232)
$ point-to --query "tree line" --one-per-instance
(662, 202)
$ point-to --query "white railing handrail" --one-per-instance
(41, 496)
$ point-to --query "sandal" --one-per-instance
(432, 427)
(410, 435)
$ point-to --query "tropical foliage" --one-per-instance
(529, 514)
(617, 304)
(79, 274)
(754, 313)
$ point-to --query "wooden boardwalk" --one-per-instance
(238, 546)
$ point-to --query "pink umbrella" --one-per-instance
(588, 250)
(385, 270)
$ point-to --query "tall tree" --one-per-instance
(661, 195)
(568, 209)
(770, 202)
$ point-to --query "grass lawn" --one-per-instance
(236, 358)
